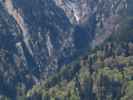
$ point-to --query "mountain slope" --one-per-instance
(39, 37)
(105, 74)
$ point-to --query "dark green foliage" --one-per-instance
(99, 77)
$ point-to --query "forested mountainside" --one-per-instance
(66, 49)
(105, 74)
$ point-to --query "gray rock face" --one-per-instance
(47, 34)
(42, 35)
(78, 11)
(55, 31)
(105, 13)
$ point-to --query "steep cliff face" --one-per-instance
(55, 31)
(39, 36)
(101, 16)
(78, 11)
(47, 35)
